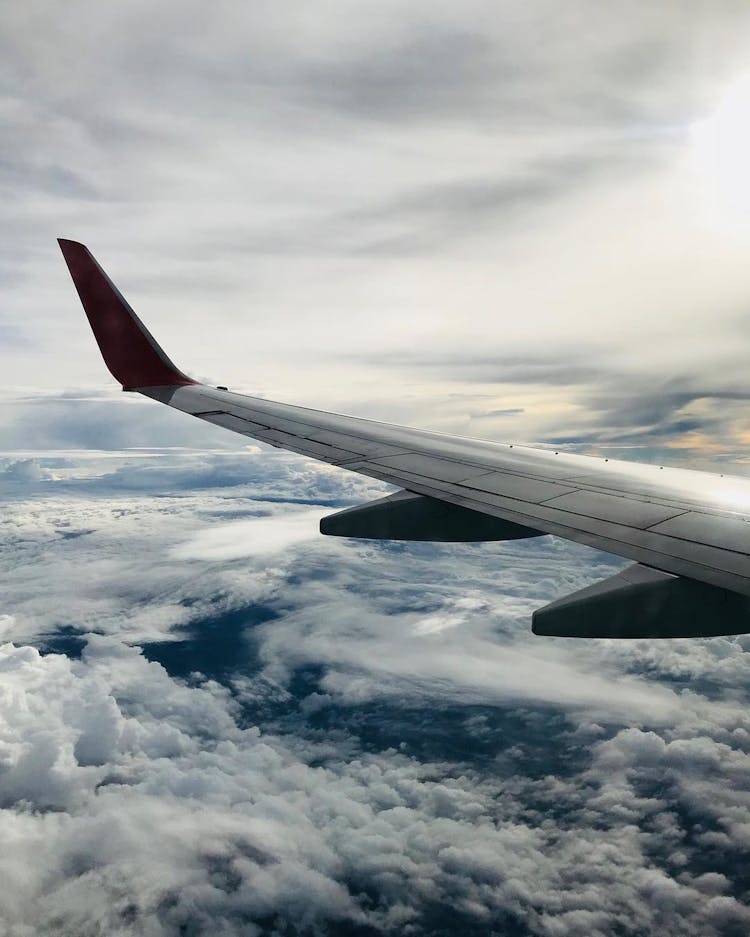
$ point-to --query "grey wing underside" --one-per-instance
(686, 530)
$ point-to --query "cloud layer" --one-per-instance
(231, 732)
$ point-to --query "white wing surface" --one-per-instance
(687, 530)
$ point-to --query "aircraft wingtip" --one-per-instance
(68, 243)
(129, 350)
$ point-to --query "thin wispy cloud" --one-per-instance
(328, 194)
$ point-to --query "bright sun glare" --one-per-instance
(721, 145)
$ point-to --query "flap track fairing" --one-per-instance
(641, 602)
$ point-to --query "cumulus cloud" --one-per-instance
(252, 538)
(385, 742)
(154, 809)
(25, 471)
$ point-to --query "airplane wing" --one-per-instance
(687, 532)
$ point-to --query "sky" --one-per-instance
(496, 219)
(523, 222)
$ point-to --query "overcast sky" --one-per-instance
(491, 218)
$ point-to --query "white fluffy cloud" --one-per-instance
(153, 811)
(556, 787)
(258, 537)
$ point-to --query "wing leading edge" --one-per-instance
(686, 525)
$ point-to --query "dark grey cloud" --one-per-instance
(535, 367)
(492, 414)
(662, 433)
(433, 73)
(436, 215)
(661, 414)
(425, 218)
(53, 179)
(655, 401)
(487, 67)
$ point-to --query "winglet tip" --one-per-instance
(69, 242)
(129, 350)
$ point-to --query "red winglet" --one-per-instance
(129, 350)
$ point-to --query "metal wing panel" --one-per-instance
(306, 446)
(429, 466)
(355, 444)
(725, 532)
(571, 496)
(614, 508)
(236, 423)
(521, 487)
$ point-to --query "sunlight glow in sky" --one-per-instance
(721, 145)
